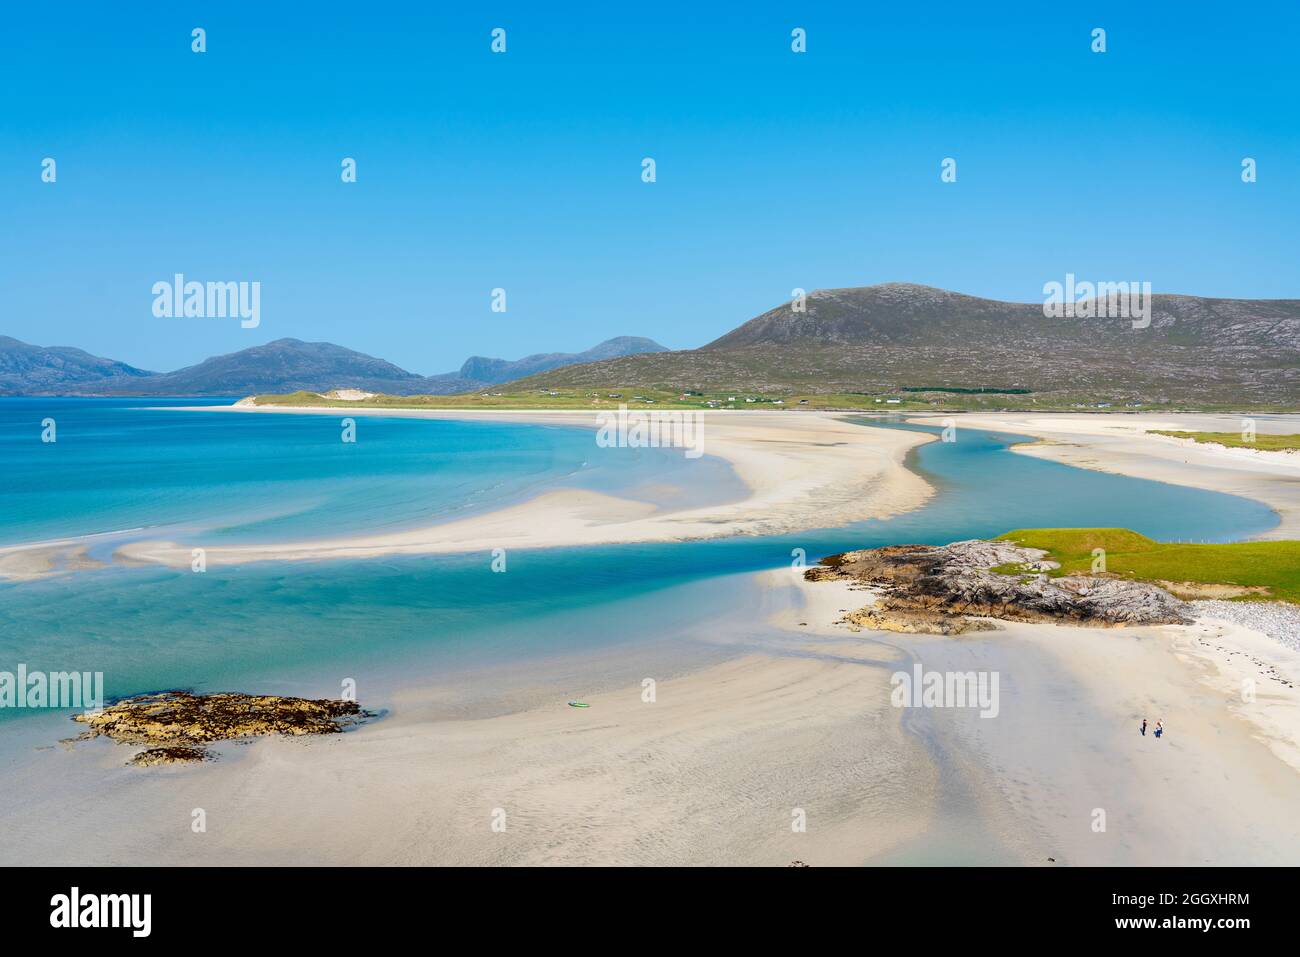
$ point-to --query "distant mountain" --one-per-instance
(1239, 353)
(285, 365)
(494, 371)
(907, 314)
(44, 369)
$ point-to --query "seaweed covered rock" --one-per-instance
(175, 725)
(177, 754)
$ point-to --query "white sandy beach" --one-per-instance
(716, 768)
(802, 471)
(1066, 745)
(795, 719)
(712, 771)
(1120, 442)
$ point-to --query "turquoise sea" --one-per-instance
(127, 468)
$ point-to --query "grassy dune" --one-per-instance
(1271, 565)
(1234, 440)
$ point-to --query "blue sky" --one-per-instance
(522, 170)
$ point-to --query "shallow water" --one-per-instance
(131, 465)
(557, 624)
(302, 627)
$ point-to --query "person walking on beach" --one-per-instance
(1143, 729)
(1160, 728)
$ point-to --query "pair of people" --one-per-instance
(1160, 728)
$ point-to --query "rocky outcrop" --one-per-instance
(914, 622)
(935, 587)
(175, 725)
(172, 755)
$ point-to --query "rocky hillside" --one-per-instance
(883, 339)
(28, 369)
(284, 363)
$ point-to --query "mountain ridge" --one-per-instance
(1188, 351)
(45, 365)
(282, 365)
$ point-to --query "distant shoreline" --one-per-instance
(1128, 447)
(476, 401)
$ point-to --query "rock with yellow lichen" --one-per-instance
(175, 725)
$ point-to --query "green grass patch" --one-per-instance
(1272, 565)
(1233, 440)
